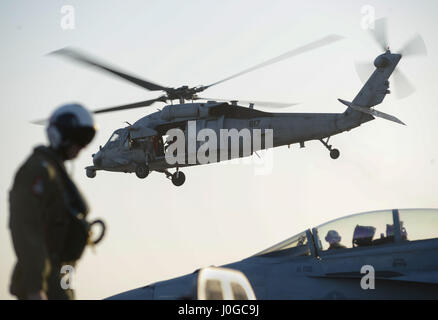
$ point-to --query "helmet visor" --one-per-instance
(81, 136)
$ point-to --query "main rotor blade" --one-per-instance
(308, 47)
(415, 46)
(75, 55)
(130, 106)
(402, 85)
(42, 122)
(269, 104)
(379, 33)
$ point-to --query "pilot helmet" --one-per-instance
(70, 124)
(333, 237)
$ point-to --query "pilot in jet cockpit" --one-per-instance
(334, 240)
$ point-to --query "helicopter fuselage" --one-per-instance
(130, 148)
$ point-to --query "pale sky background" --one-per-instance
(222, 213)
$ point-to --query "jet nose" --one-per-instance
(97, 159)
(145, 293)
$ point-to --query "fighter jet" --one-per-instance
(388, 254)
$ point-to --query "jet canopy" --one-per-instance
(369, 229)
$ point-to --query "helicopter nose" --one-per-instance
(97, 159)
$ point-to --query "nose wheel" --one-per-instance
(334, 153)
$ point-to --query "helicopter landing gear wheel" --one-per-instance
(334, 153)
(178, 178)
(91, 173)
(142, 171)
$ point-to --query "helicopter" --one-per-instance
(140, 147)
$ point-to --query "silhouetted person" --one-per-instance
(47, 212)
(334, 239)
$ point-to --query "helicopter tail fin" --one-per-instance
(376, 88)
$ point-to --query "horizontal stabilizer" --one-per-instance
(373, 112)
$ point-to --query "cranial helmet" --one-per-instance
(333, 237)
(70, 124)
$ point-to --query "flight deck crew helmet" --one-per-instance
(70, 124)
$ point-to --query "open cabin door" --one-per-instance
(144, 144)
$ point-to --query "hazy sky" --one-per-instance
(222, 213)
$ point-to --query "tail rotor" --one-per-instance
(414, 47)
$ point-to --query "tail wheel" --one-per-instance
(142, 171)
(178, 178)
(334, 153)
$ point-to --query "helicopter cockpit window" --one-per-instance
(418, 224)
(292, 247)
(115, 137)
(359, 230)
